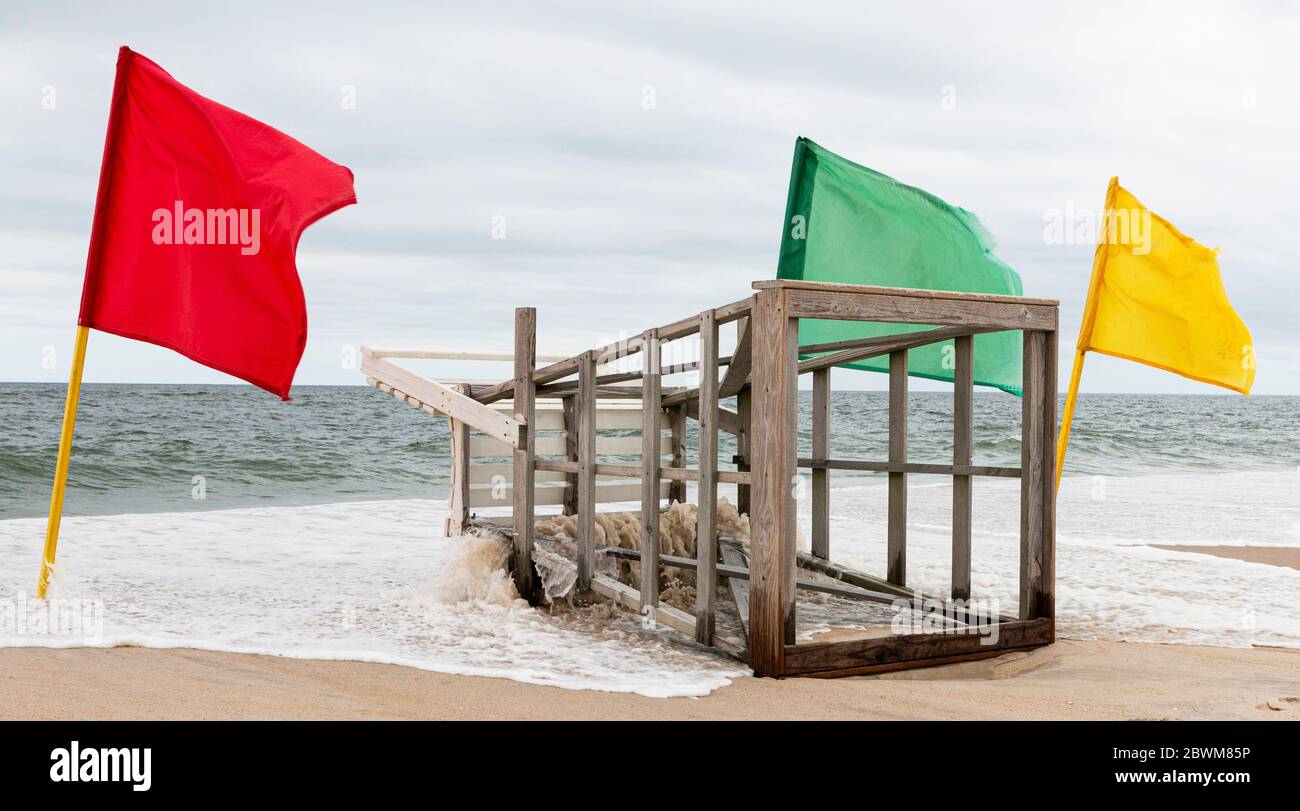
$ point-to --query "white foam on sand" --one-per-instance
(376, 581)
(366, 581)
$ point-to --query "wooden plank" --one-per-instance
(524, 455)
(1046, 598)
(547, 471)
(728, 421)
(933, 334)
(744, 412)
(772, 525)
(737, 569)
(733, 311)
(444, 399)
(706, 541)
(678, 329)
(811, 657)
(627, 597)
(616, 416)
(546, 496)
(733, 555)
(741, 363)
(856, 350)
(458, 499)
(482, 447)
(677, 448)
(897, 529)
(899, 308)
(864, 348)
(1032, 457)
(963, 427)
(821, 450)
(910, 292)
(911, 467)
(650, 463)
(856, 578)
(586, 431)
(571, 453)
(567, 467)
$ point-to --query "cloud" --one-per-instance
(638, 157)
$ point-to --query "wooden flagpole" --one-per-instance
(61, 466)
(1085, 327)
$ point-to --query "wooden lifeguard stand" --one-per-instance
(762, 373)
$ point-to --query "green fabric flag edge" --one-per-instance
(791, 259)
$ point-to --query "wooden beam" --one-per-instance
(1047, 586)
(1037, 486)
(675, 618)
(821, 450)
(741, 363)
(744, 416)
(706, 536)
(893, 306)
(586, 407)
(458, 499)
(935, 334)
(728, 421)
(650, 464)
(911, 467)
(736, 569)
(524, 455)
(443, 399)
(677, 448)
(808, 658)
(772, 541)
(909, 292)
(571, 454)
(873, 347)
(897, 529)
(1032, 456)
(962, 440)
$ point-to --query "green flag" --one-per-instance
(846, 223)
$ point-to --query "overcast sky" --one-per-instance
(640, 157)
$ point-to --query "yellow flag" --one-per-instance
(1156, 298)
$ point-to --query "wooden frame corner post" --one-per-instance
(897, 522)
(706, 543)
(586, 407)
(651, 441)
(772, 484)
(524, 399)
(963, 426)
(1037, 477)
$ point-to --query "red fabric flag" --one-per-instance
(196, 226)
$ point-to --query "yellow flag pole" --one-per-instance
(61, 466)
(1085, 328)
(1067, 418)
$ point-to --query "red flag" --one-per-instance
(196, 226)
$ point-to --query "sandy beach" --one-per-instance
(1068, 680)
(1288, 556)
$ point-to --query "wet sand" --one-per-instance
(1288, 556)
(1068, 680)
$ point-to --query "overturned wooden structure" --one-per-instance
(762, 374)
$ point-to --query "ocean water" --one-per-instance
(219, 517)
